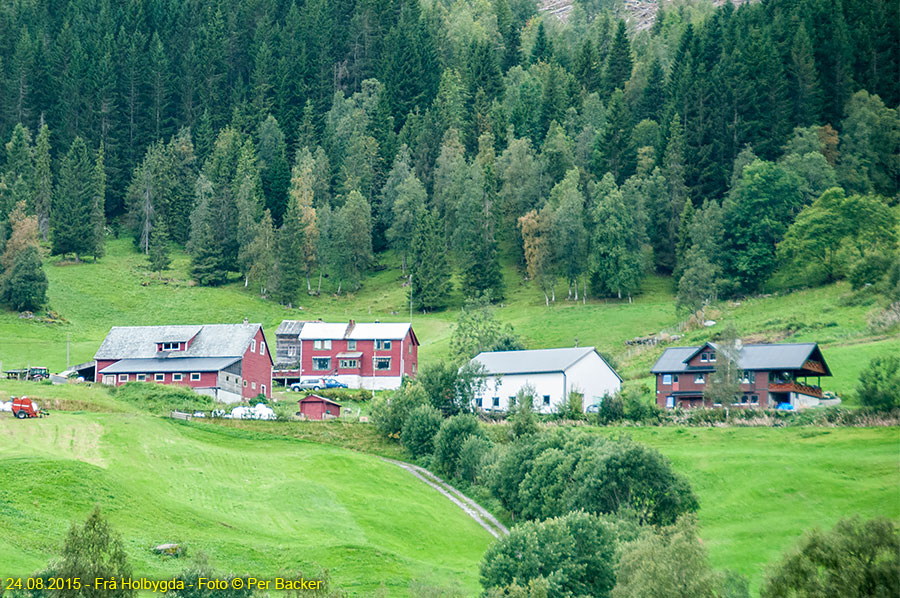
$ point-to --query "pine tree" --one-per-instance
(71, 218)
(613, 152)
(805, 91)
(653, 98)
(19, 170)
(429, 269)
(542, 50)
(209, 265)
(43, 182)
(158, 258)
(476, 249)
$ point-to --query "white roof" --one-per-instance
(380, 330)
(363, 331)
(531, 362)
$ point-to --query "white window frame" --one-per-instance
(123, 377)
(345, 364)
(384, 345)
(177, 377)
(262, 348)
(253, 386)
(667, 379)
(699, 378)
(292, 350)
(712, 357)
(195, 376)
(140, 377)
(253, 345)
(159, 377)
(316, 360)
(375, 361)
(351, 345)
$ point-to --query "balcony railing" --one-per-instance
(793, 386)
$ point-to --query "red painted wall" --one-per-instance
(686, 383)
(207, 379)
(315, 409)
(366, 365)
(257, 368)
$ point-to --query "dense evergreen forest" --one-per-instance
(293, 143)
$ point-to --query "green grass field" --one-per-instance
(256, 504)
(119, 290)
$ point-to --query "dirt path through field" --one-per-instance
(469, 506)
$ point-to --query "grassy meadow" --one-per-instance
(119, 290)
(254, 503)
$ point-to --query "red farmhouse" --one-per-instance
(316, 407)
(226, 361)
(367, 355)
(771, 375)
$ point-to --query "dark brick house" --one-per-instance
(772, 374)
(226, 361)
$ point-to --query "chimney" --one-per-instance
(352, 323)
(246, 321)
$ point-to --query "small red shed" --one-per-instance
(316, 407)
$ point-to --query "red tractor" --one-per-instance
(23, 407)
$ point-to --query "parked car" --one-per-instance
(595, 408)
(316, 384)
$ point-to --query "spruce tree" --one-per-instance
(429, 269)
(24, 285)
(43, 182)
(158, 258)
(98, 214)
(619, 61)
(274, 168)
(542, 50)
(72, 215)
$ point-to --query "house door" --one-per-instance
(109, 379)
(263, 390)
(670, 402)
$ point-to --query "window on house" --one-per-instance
(382, 345)
(123, 377)
(675, 378)
(170, 346)
(699, 378)
(410, 348)
(348, 364)
(322, 345)
(382, 363)
(546, 400)
(351, 345)
(262, 348)
(245, 384)
(495, 401)
(159, 377)
(712, 355)
(754, 399)
(177, 377)
(704, 357)
(321, 363)
(667, 379)
(262, 388)
(292, 351)
(670, 402)
(253, 386)
(478, 402)
(141, 377)
(195, 376)
(748, 378)
(253, 345)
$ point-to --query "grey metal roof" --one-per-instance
(290, 327)
(163, 364)
(210, 340)
(787, 356)
(532, 361)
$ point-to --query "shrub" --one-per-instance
(521, 414)
(472, 455)
(856, 558)
(390, 413)
(636, 407)
(573, 407)
(420, 428)
(449, 440)
(573, 553)
(869, 269)
(611, 410)
(879, 383)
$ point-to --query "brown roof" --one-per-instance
(318, 398)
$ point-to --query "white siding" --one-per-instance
(592, 377)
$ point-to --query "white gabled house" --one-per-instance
(552, 373)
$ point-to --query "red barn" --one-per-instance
(316, 407)
(226, 361)
(373, 355)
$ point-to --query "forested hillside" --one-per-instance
(292, 143)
